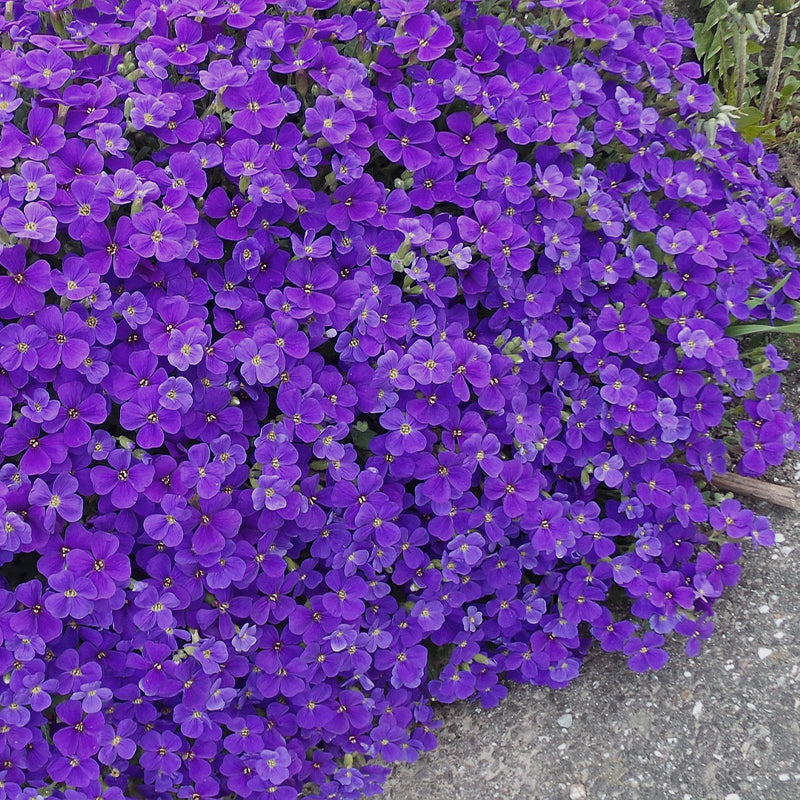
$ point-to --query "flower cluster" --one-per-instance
(356, 356)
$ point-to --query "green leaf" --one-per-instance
(757, 301)
(748, 123)
(747, 330)
(789, 89)
(747, 116)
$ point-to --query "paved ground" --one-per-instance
(722, 726)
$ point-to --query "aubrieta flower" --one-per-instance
(315, 360)
(59, 500)
(33, 221)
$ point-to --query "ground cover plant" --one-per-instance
(354, 357)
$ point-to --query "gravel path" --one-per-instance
(722, 726)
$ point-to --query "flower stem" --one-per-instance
(741, 62)
(775, 70)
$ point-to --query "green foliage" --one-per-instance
(715, 46)
(758, 87)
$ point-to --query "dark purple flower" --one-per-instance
(80, 408)
(407, 142)
(461, 140)
(66, 338)
(123, 480)
(60, 500)
(41, 450)
(24, 287)
(146, 414)
(645, 653)
(427, 36)
(160, 752)
(101, 564)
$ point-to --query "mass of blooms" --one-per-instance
(356, 356)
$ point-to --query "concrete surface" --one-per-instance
(722, 726)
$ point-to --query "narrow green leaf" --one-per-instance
(747, 330)
(757, 301)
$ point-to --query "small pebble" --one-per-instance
(577, 792)
(565, 720)
(764, 652)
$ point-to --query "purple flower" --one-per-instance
(155, 609)
(24, 288)
(463, 141)
(608, 469)
(60, 500)
(198, 473)
(72, 596)
(488, 229)
(333, 123)
(220, 75)
(645, 653)
(271, 493)
(273, 765)
(19, 346)
(167, 526)
(160, 752)
(405, 435)
(674, 242)
(429, 615)
(407, 142)
(175, 394)
(109, 138)
(407, 665)
(32, 183)
(347, 337)
(149, 417)
(66, 338)
(149, 112)
(33, 616)
(186, 348)
(514, 486)
(432, 364)
(211, 655)
(34, 222)
(123, 480)
(256, 105)
(427, 36)
(40, 451)
(260, 363)
(161, 236)
(43, 137)
(80, 408)
(117, 743)
(79, 735)
(101, 564)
